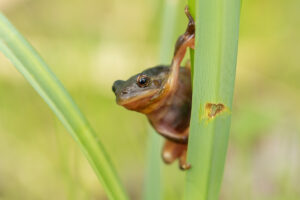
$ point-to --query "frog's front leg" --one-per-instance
(171, 151)
(183, 42)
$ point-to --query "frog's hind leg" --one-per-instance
(183, 165)
(172, 151)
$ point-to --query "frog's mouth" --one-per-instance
(139, 101)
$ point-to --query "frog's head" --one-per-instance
(142, 89)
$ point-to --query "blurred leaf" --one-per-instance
(33, 68)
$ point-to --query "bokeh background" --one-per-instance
(89, 44)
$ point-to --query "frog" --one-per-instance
(164, 94)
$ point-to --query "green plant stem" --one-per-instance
(217, 25)
(153, 179)
(36, 72)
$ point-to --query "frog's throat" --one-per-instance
(148, 102)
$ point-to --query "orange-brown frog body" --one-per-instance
(168, 113)
(164, 95)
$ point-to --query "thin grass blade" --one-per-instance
(217, 25)
(37, 73)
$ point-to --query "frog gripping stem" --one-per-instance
(187, 39)
(174, 149)
(183, 42)
(164, 95)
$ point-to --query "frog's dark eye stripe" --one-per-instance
(143, 81)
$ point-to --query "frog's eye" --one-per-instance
(143, 81)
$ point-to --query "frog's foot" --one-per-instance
(183, 165)
(191, 24)
(187, 39)
(171, 151)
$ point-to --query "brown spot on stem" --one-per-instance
(212, 109)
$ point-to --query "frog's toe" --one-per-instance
(184, 166)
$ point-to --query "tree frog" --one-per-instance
(164, 95)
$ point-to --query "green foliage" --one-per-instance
(217, 25)
(88, 46)
(36, 72)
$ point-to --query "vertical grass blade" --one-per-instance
(217, 25)
(36, 72)
(153, 179)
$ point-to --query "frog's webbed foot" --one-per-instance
(172, 151)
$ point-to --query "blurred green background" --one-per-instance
(89, 44)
